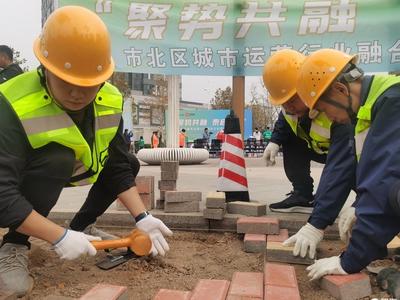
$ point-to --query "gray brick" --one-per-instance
(228, 224)
(160, 204)
(180, 196)
(191, 206)
(162, 195)
(254, 209)
(214, 213)
(170, 166)
(169, 175)
(278, 253)
(167, 185)
(215, 200)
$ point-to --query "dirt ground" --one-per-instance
(193, 256)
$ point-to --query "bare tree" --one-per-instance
(19, 60)
(222, 98)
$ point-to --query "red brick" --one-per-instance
(165, 294)
(145, 184)
(258, 225)
(210, 289)
(106, 292)
(275, 292)
(246, 285)
(347, 287)
(282, 275)
(255, 243)
(281, 237)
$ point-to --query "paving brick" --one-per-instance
(279, 253)
(167, 185)
(210, 289)
(214, 213)
(215, 200)
(106, 292)
(148, 200)
(255, 243)
(160, 204)
(192, 206)
(279, 274)
(145, 184)
(247, 208)
(180, 196)
(347, 287)
(165, 294)
(170, 166)
(246, 285)
(162, 195)
(276, 292)
(259, 225)
(169, 175)
(228, 224)
(281, 237)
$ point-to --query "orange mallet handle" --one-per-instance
(138, 241)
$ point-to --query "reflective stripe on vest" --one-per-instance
(45, 122)
(320, 132)
(380, 83)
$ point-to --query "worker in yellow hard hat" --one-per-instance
(61, 125)
(304, 139)
(331, 82)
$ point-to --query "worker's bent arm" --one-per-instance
(40, 227)
(131, 200)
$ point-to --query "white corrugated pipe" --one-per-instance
(185, 156)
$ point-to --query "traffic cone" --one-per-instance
(232, 167)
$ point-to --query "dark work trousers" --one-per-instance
(48, 170)
(296, 161)
(98, 200)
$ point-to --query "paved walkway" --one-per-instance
(266, 184)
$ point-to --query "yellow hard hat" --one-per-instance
(280, 75)
(318, 71)
(75, 46)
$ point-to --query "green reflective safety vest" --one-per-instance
(380, 83)
(319, 137)
(45, 122)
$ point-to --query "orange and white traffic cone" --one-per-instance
(232, 177)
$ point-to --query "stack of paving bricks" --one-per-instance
(169, 177)
(145, 188)
(182, 201)
(215, 206)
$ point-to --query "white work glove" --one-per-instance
(270, 152)
(307, 238)
(325, 266)
(74, 244)
(156, 229)
(347, 218)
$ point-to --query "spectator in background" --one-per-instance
(206, 135)
(155, 140)
(141, 142)
(127, 139)
(182, 138)
(267, 134)
(257, 135)
(8, 69)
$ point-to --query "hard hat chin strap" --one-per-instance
(348, 108)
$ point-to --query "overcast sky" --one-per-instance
(20, 24)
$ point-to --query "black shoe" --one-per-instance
(295, 203)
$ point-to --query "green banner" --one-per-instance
(227, 37)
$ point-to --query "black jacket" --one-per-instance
(10, 72)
